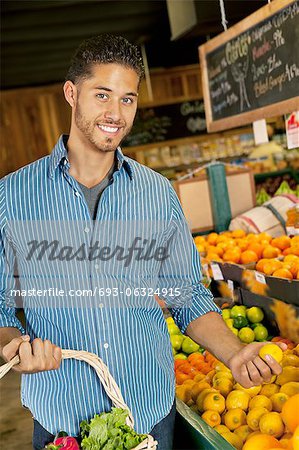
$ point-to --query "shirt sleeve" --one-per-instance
(7, 282)
(180, 276)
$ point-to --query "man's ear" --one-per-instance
(70, 92)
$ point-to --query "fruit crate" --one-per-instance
(192, 433)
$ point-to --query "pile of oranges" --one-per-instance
(278, 257)
(259, 418)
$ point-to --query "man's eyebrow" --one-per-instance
(103, 88)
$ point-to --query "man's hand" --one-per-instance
(249, 369)
(37, 356)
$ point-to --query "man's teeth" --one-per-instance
(108, 129)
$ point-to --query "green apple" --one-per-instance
(173, 329)
(189, 346)
(180, 356)
(176, 341)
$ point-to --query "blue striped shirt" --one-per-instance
(42, 202)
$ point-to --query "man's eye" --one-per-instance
(102, 96)
(127, 100)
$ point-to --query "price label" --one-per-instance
(260, 277)
(217, 274)
(230, 284)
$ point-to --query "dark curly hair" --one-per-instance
(103, 49)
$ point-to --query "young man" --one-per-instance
(88, 188)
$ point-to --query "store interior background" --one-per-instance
(38, 39)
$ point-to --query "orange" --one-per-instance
(271, 266)
(183, 392)
(294, 268)
(211, 417)
(242, 244)
(248, 256)
(261, 263)
(261, 442)
(199, 240)
(265, 237)
(291, 258)
(295, 440)
(181, 377)
(194, 357)
(256, 248)
(290, 414)
(213, 257)
(214, 249)
(281, 242)
(232, 255)
(251, 237)
(283, 273)
(270, 252)
(238, 233)
(293, 250)
(212, 238)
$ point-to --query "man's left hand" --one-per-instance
(249, 369)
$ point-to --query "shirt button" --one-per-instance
(101, 305)
(77, 194)
(106, 345)
(96, 266)
(87, 230)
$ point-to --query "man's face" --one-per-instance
(106, 106)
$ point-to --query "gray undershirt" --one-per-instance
(92, 195)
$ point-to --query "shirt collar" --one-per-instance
(59, 156)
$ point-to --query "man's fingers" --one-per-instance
(254, 373)
(11, 349)
(263, 368)
(273, 364)
(244, 379)
(57, 355)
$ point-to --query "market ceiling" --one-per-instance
(38, 37)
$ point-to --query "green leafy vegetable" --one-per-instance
(109, 431)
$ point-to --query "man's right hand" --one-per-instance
(36, 356)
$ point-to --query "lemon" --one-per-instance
(201, 397)
(223, 374)
(234, 418)
(252, 391)
(214, 401)
(221, 429)
(237, 399)
(278, 400)
(254, 416)
(229, 322)
(269, 389)
(223, 385)
(243, 432)
(272, 350)
(211, 417)
(233, 439)
(271, 423)
(260, 401)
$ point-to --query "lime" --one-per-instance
(246, 335)
(176, 341)
(189, 346)
(238, 310)
(240, 322)
(180, 356)
(229, 322)
(255, 314)
(226, 313)
(261, 333)
(174, 352)
(254, 325)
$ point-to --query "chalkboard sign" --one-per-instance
(251, 71)
(167, 122)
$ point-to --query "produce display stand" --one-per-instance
(192, 433)
(287, 171)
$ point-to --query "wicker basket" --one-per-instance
(108, 382)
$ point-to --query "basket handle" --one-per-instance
(102, 371)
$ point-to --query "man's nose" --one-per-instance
(113, 111)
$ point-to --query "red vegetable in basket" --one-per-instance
(64, 443)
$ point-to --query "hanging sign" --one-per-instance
(251, 71)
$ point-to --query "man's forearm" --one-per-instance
(212, 333)
(6, 335)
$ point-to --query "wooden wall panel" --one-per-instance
(32, 119)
